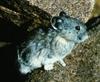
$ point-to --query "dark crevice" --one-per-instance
(93, 22)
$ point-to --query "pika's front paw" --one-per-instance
(62, 63)
(48, 67)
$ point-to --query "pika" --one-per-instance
(45, 49)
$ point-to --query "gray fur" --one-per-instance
(46, 49)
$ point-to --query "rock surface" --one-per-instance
(80, 9)
(96, 10)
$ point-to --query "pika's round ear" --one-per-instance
(62, 13)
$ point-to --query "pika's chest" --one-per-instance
(62, 46)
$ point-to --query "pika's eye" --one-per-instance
(77, 28)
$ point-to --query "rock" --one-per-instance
(80, 9)
(2, 44)
(96, 10)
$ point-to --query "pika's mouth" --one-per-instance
(83, 38)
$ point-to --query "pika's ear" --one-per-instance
(92, 23)
(62, 13)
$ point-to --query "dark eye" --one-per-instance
(77, 28)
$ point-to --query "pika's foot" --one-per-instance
(48, 67)
(62, 63)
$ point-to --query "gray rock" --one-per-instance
(80, 9)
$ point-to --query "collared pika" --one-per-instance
(48, 48)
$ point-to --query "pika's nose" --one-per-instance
(80, 38)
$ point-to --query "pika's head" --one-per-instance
(69, 28)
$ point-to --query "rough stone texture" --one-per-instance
(80, 9)
(96, 10)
